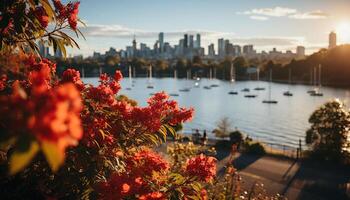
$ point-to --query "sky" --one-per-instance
(283, 24)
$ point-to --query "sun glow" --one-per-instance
(343, 32)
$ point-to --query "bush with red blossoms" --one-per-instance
(201, 167)
(25, 24)
(63, 139)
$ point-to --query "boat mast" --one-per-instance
(150, 73)
(290, 76)
(130, 72)
(315, 77)
(210, 74)
(232, 73)
(270, 85)
(319, 75)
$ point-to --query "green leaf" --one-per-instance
(48, 8)
(20, 159)
(54, 155)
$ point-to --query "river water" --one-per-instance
(283, 123)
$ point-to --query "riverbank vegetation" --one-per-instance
(334, 67)
(329, 136)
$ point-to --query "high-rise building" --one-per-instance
(237, 50)
(185, 41)
(161, 42)
(191, 42)
(248, 49)
(211, 50)
(58, 53)
(143, 49)
(134, 46)
(221, 47)
(300, 51)
(229, 50)
(332, 40)
(155, 48)
(198, 41)
(43, 50)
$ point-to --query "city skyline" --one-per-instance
(191, 45)
(267, 24)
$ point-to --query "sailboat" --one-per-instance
(100, 71)
(288, 93)
(82, 72)
(188, 77)
(130, 78)
(150, 86)
(270, 101)
(211, 78)
(258, 79)
(312, 80)
(175, 78)
(232, 79)
(248, 95)
(317, 92)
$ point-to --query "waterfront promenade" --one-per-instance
(290, 178)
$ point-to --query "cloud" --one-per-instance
(122, 32)
(264, 14)
(270, 41)
(271, 12)
(259, 18)
(317, 14)
(101, 37)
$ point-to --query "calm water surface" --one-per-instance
(283, 123)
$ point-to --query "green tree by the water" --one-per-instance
(329, 132)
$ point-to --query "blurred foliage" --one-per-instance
(329, 133)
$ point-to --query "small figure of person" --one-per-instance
(196, 136)
(204, 138)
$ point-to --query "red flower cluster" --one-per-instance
(202, 167)
(105, 93)
(73, 76)
(153, 196)
(39, 74)
(3, 79)
(56, 116)
(138, 167)
(49, 112)
(70, 12)
(73, 18)
(146, 161)
(42, 16)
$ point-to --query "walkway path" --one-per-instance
(292, 179)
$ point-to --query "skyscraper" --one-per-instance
(221, 47)
(332, 40)
(248, 49)
(185, 41)
(43, 49)
(161, 42)
(191, 43)
(211, 50)
(300, 51)
(134, 44)
(198, 41)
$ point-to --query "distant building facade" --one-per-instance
(332, 40)
(300, 52)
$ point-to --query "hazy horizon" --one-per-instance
(266, 24)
